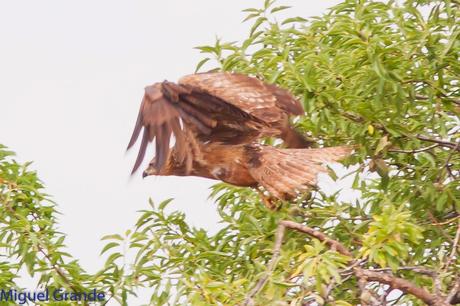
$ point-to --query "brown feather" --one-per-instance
(246, 93)
(284, 172)
(142, 149)
(156, 117)
(285, 100)
(137, 130)
(180, 144)
(162, 145)
(228, 108)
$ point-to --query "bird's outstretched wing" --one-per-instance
(218, 107)
(186, 112)
(158, 119)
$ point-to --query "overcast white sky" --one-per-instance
(72, 75)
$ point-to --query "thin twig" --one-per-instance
(333, 244)
(454, 248)
(365, 295)
(383, 299)
(368, 297)
(422, 97)
(455, 101)
(447, 221)
(396, 300)
(108, 300)
(420, 270)
(271, 266)
(58, 269)
(435, 222)
(415, 150)
(441, 142)
(446, 164)
(327, 293)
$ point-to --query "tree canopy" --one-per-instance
(383, 76)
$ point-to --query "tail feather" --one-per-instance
(276, 188)
(286, 172)
(288, 180)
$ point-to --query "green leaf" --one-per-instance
(257, 24)
(294, 20)
(112, 237)
(279, 8)
(109, 246)
(201, 63)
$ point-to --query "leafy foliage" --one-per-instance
(28, 235)
(380, 75)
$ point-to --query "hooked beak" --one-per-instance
(149, 171)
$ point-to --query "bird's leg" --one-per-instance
(268, 201)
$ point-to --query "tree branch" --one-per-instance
(415, 150)
(441, 142)
(454, 247)
(454, 295)
(446, 165)
(451, 99)
(333, 244)
(401, 284)
(444, 143)
(394, 282)
(420, 270)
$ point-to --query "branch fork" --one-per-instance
(364, 275)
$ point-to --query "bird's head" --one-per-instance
(150, 170)
(171, 167)
(153, 170)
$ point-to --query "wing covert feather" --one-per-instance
(265, 101)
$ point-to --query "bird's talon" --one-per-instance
(268, 201)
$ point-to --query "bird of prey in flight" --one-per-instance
(218, 120)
